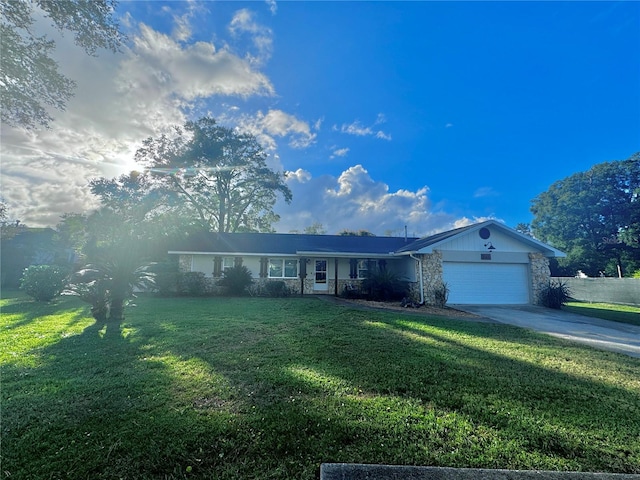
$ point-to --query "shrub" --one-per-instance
(352, 291)
(555, 294)
(43, 282)
(192, 284)
(277, 288)
(94, 291)
(166, 278)
(440, 295)
(384, 285)
(236, 280)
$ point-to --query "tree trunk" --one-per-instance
(116, 312)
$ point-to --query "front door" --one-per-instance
(320, 280)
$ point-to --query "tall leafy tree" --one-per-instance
(219, 174)
(29, 78)
(593, 216)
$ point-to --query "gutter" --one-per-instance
(421, 278)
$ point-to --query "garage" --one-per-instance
(486, 283)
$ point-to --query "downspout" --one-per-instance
(421, 278)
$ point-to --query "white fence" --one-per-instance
(606, 289)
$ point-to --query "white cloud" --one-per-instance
(339, 152)
(356, 201)
(244, 22)
(276, 123)
(356, 128)
(273, 6)
(189, 72)
(120, 100)
(299, 176)
(485, 192)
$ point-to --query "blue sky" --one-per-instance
(426, 114)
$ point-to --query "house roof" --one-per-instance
(290, 244)
(429, 244)
(337, 245)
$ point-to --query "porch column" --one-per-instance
(336, 275)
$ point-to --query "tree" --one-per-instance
(524, 228)
(219, 174)
(29, 78)
(118, 242)
(111, 279)
(593, 216)
(316, 229)
(359, 233)
(117, 262)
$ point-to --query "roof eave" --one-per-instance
(312, 253)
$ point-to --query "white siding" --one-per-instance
(472, 242)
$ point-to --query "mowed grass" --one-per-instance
(271, 388)
(606, 311)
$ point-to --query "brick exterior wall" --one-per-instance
(540, 275)
(184, 263)
(431, 277)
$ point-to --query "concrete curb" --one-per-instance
(354, 471)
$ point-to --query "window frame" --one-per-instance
(225, 260)
(362, 266)
(283, 267)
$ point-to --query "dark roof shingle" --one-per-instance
(289, 244)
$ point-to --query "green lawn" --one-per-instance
(270, 388)
(606, 311)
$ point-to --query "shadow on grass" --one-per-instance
(540, 416)
(259, 388)
(31, 310)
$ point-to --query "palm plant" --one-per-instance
(111, 280)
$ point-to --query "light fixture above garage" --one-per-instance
(489, 246)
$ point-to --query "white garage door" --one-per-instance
(482, 283)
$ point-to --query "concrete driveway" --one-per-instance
(603, 334)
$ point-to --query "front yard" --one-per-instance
(270, 388)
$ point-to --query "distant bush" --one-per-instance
(555, 294)
(384, 285)
(236, 280)
(193, 284)
(43, 282)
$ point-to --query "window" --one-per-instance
(282, 268)
(363, 268)
(227, 262)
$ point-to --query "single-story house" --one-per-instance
(484, 263)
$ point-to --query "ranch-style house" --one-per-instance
(484, 263)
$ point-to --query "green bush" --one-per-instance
(440, 295)
(236, 280)
(555, 294)
(193, 284)
(352, 291)
(166, 278)
(43, 282)
(277, 288)
(384, 285)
